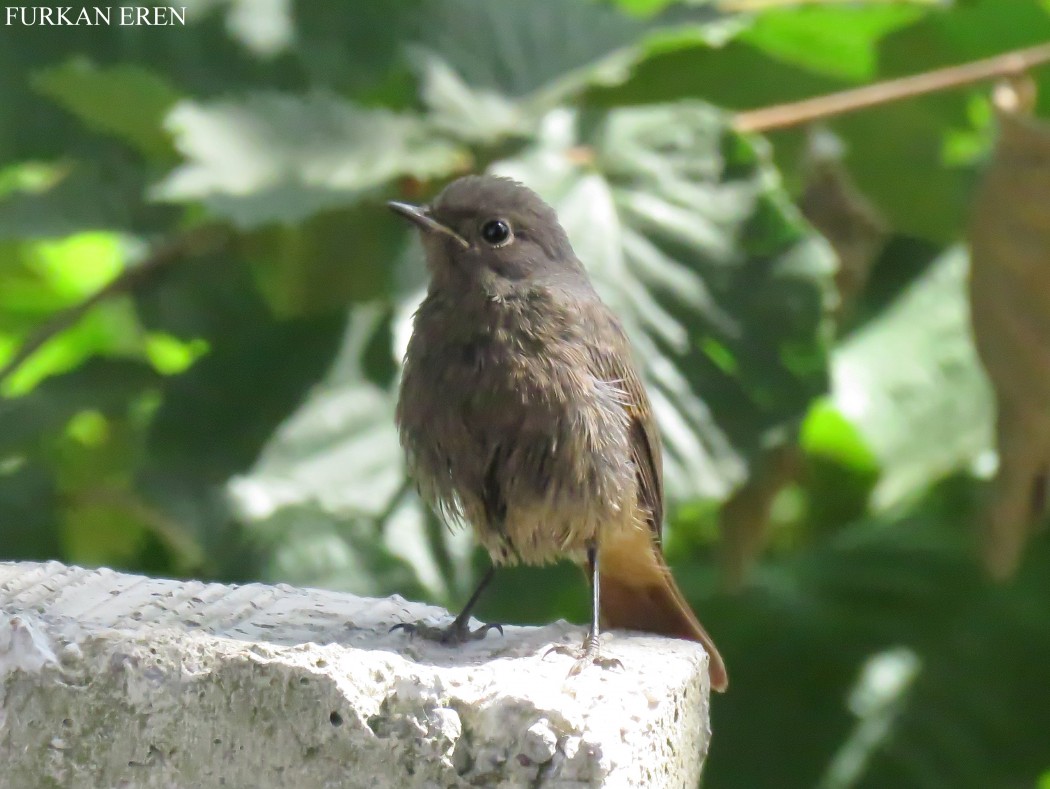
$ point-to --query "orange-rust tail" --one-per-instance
(638, 593)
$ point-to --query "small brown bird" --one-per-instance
(522, 413)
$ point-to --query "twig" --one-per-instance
(191, 242)
(799, 112)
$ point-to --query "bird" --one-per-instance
(522, 413)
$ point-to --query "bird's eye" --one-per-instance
(495, 232)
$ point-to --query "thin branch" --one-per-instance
(799, 112)
(192, 242)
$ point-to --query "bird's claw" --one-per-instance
(450, 635)
(588, 654)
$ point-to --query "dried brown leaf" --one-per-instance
(1009, 237)
(848, 220)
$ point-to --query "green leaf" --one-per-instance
(910, 173)
(714, 75)
(127, 101)
(27, 423)
(911, 382)
(108, 331)
(46, 275)
(354, 48)
(272, 157)
(840, 470)
(839, 40)
(329, 261)
(308, 545)
(39, 278)
(203, 430)
(337, 459)
(554, 46)
(340, 448)
(28, 177)
(979, 737)
(828, 434)
(643, 7)
(169, 355)
(924, 197)
(80, 196)
(496, 76)
(204, 59)
(903, 155)
(956, 711)
(215, 418)
(720, 284)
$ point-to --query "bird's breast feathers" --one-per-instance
(517, 434)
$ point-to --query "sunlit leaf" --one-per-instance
(338, 460)
(838, 39)
(309, 546)
(279, 157)
(38, 279)
(340, 449)
(169, 355)
(28, 177)
(126, 100)
(911, 382)
(840, 470)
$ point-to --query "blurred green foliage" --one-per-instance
(225, 408)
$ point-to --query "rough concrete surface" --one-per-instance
(114, 680)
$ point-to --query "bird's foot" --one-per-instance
(458, 632)
(588, 654)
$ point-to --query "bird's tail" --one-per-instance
(638, 593)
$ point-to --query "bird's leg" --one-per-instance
(459, 631)
(590, 651)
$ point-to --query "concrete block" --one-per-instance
(116, 680)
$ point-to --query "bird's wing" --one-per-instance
(645, 453)
(614, 365)
(637, 589)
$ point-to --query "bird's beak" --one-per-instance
(420, 216)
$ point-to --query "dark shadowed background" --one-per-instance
(203, 304)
